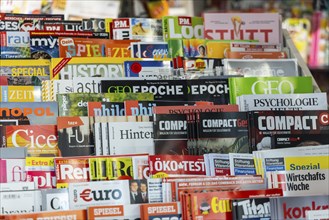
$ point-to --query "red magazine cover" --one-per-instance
(170, 210)
(217, 205)
(120, 48)
(71, 170)
(78, 47)
(176, 165)
(207, 107)
(40, 140)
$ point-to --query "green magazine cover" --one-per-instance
(268, 85)
(182, 27)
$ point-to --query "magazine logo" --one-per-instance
(186, 31)
(18, 39)
(44, 41)
(324, 118)
(121, 23)
(89, 195)
(179, 125)
(182, 21)
(208, 89)
(67, 42)
(249, 207)
(272, 87)
(300, 212)
(73, 173)
(9, 26)
(174, 166)
(34, 141)
(272, 123)
(18, 112)
(109, 70)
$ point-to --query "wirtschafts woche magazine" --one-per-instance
(180, 118)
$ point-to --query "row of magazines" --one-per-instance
(205, 120)
(130, 187)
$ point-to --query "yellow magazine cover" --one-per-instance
(24, 72)
(119, 168)
(46, 163)
(67, 68)
(20, 94)
(98, 169)
(307, 163)
(108, 23)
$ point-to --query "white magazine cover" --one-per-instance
(301, 182)
(265, 27)
(140, 167)
(219, 164)
(317, 214)
(20, 202)
(292, 208)
(17, 186)
(260, 102)
(242, 164)
(131, 137)
(264, 157)
(83, 195)
(254, 47)
(261, 67)
(55, 199)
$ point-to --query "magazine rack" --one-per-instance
(304, 70)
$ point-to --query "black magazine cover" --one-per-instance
(251, 209)
(223, 132)
(213, 90)
(280, 129)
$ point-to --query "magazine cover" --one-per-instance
(217, 205)
(31, 113)
(131, 137)
(282, 129)
(268, 85)
(212, 90)
(259, 67)
(45, 44)
(20, 94)
(76, 104)
(41, 171)
(30, 201)
(83, 195)
(24, 72)
(242, 164)
(176, 166)
(256, 55)
(55, 199)
(40, 140)
(14, 45)
(12, 170)
(71, 170)
(295, 208)
(265, 27)
(107, 212)
(182, 27)
(255, 209)
(144, 29)
(222, 132)
(67, 68)
(64, 25)
(148, 68)
(66, 214)
(273, 102)
(93, 24)
(170, 210)
(78, 47)
(255, 47)
(155, 50)
(76, 136)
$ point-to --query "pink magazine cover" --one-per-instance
(263, 27)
